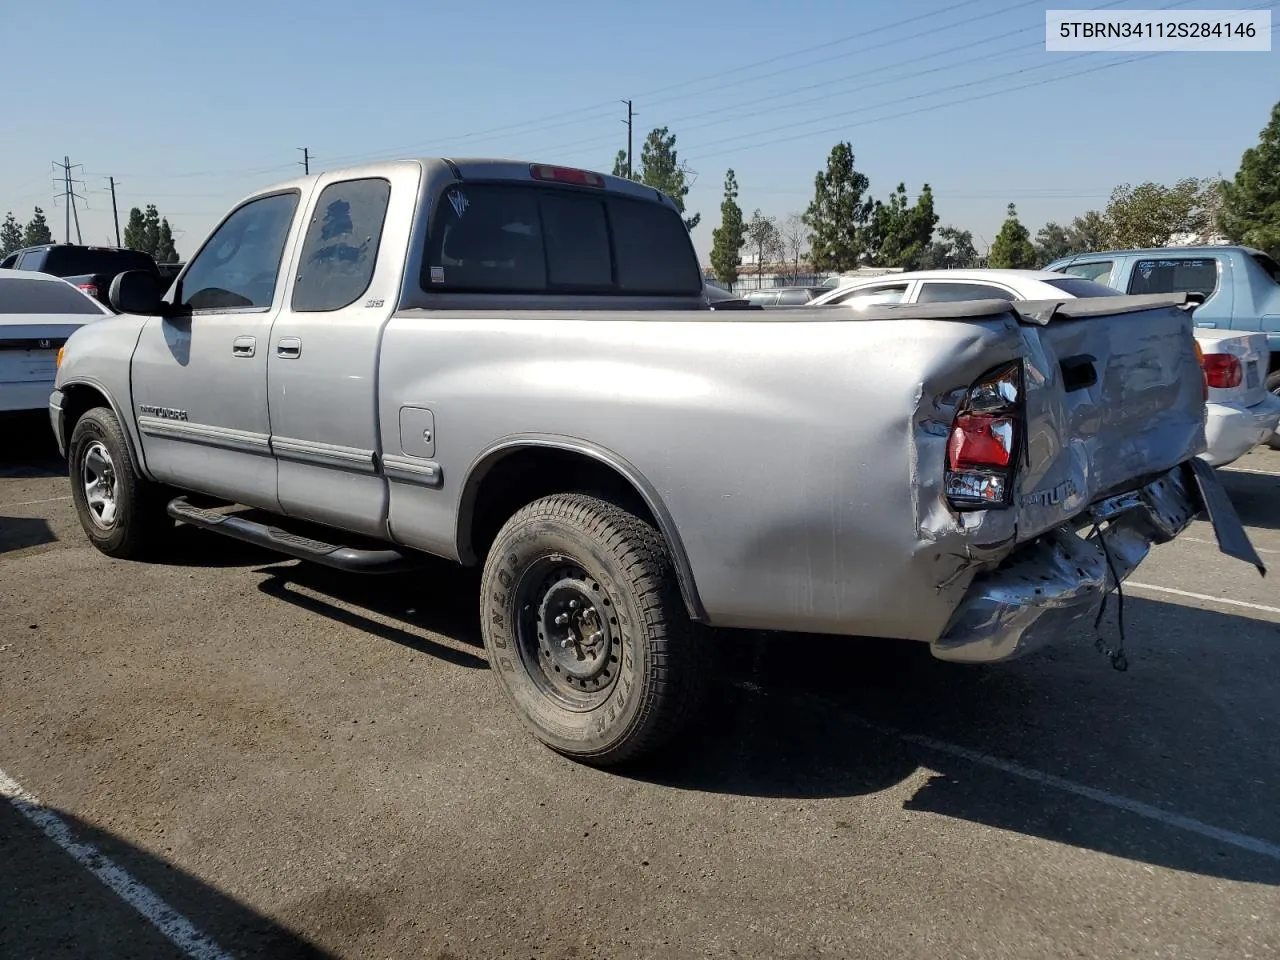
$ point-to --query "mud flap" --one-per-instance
(1227, 528)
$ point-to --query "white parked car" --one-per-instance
(37, 315)
(1240, 413)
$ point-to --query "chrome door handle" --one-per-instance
(289, 347)
(244, 346)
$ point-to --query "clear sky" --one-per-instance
(192, 105)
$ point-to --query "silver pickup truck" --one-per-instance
(515, 366)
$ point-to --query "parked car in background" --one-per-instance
(1240, 413)
(791, 296)
(90, 268)
(37, 315)
(1240, 286)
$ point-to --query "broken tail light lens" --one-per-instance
(1222, 371)
(982, 446)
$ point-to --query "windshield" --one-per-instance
(1079, 287)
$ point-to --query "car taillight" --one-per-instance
(581, 178)
(1222, 371)
(88, 288)
(983, 443)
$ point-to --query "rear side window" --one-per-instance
(341, 246)
(1269, 266)
(72, 262)
(793, 296)
(1175, 275)
(502, 238)
(20, 295)
(1093, 270)
(32, 260)
(942, 292)
(865, 296)
(1078, 287)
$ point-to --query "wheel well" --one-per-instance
(77, 400)
(526, 474)
(530, 473)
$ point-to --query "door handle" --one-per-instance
(289, 347)
(244, 346)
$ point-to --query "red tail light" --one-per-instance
(1222, 371)
(983, 443)
(88, 288)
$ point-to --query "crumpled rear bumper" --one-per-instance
(1053, 585)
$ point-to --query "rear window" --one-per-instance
(1091, 270)
(19, 295)
(943, 292)
(70, 262)
(1078, 287)
(1269, 266)
(1175, 275)
(513, 238)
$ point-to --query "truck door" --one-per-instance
(200, 380)
(323, 359)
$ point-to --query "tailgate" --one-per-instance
(1114, 395)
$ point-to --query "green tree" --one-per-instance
(727, 239)
(166, 252)
(1251, 201)
(620, 166)
(1012, 248)
(1053, 240)
(135, 231)
(763, 237)
(151, 229)
(1149, 214)
(838, 213)
(660, 168)
(10, 235)
(1089, 232)
(900, 232)
(37, 231)
(953, 250)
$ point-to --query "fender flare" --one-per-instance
(489, 457)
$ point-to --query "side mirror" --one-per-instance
(137, 292)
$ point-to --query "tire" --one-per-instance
(1273, 385)
(620, 674)
(126, 517)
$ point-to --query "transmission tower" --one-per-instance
(69, 195)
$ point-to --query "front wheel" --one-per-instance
(586, 631)
(122, 513)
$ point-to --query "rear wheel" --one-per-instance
(122, 513)
(586, 631)
(1273, 384)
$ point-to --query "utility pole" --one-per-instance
(70, 196)
(630, 117)
(115, 214)
(306, 160)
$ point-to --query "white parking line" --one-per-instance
(1260, 473)
(1244, 841)
(29, 503)
(1214, 543)
(177, 928)
(1202, 596)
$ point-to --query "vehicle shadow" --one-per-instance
(1256, 498)
(1188, 731)
(43, 881)
(437, 601)
(30, 450)
(17, 533)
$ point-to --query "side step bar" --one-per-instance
(333, 555)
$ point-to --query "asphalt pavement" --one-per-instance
(236, 754)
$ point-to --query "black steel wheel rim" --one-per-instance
(567, 633)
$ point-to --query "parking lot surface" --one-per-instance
(296, 763)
